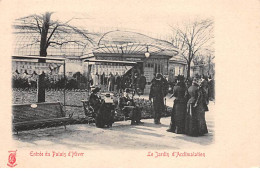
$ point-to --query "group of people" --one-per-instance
(190, 105)
(126, 105)
(119, 83)
(112, 82)
(139, 83)
(129, 108)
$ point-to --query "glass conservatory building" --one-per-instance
(151, 55)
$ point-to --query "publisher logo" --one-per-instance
(12, 159)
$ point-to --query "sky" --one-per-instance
(149, 17)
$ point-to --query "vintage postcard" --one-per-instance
(129, 84)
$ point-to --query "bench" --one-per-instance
(39, 115)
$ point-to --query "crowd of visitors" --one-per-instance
(190, 104)
(118, 83)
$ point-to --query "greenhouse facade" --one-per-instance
(151, 55)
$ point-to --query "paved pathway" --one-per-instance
(121, 136)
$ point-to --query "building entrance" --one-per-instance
(140, 68)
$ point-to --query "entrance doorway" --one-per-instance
(140, 68)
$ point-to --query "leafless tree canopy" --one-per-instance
(194, 39)
(52, 33)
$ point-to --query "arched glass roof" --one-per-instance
(127, 42)
(67, 42)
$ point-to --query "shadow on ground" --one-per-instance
(121, 136)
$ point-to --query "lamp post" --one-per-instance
(122, 52)
(147, 54)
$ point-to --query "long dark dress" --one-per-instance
(195, 124)
(211, 90)
(179, 109)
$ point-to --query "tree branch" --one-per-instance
(57, 43)
(38, 24)
(29, 44)
(52, 34)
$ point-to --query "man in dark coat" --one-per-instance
(125, 82)
(102, 79)
(135, 84)
(165, 86)
(118, 83)
(142, 83)
(157, 94)
(111, 82)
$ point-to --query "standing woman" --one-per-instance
(195, 124)
(179, 108)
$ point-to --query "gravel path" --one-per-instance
(121, 136)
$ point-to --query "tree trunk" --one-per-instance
(188, 69)
(43, 53)
(41, 88)
(209, 66)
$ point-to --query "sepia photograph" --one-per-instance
(138, 87)
(116, 78)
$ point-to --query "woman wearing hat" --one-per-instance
(94, 99)
(179, 108)
(195, 124)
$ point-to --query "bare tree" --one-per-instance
(209, 62)
(51, 33)
(192, 38)
(199, 59)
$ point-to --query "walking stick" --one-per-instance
(165, 107)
